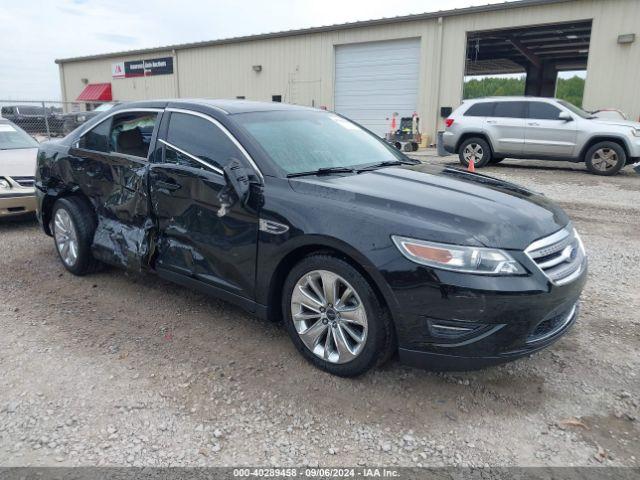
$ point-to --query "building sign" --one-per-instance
(117, 70)
(142, 68)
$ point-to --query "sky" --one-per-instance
(36, 32)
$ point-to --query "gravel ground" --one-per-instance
(122, 369)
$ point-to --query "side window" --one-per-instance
(200, 138)
(97, 139)
(543, 111)
(510, 110)
(484, 109)
(131, 133)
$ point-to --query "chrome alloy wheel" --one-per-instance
(604, 159)
(65, 236)
(474, 152)
(329, 316)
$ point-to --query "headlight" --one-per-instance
(635, 132)
(81, 118)
(4, 183)
(483, 261)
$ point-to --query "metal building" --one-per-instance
(369, 70)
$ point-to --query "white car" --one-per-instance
(488, 130)
(18, 153)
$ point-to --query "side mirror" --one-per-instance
(565, 116)
(237, 186)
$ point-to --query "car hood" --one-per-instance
(442, 204)
(19, 162)
(617, 122)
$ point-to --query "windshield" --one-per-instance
(12, 137)
(104, 107)
(578, 111)
(303, 141)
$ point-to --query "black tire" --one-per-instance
(597, 167)
(380, 343)
(485, 149)
(84, 222)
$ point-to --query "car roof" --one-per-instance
(226, 106)
(512, 98)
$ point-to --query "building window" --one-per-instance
(276, 98)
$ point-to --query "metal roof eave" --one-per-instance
(326, 28)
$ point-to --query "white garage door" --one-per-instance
(374, 80)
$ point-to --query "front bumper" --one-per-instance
(17, 203)
(453, 321)
(456, 362)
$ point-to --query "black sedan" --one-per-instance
(300, 215)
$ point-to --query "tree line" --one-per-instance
(569, 89)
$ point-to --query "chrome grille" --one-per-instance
(560, 256)
(25, 181)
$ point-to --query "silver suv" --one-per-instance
(490, 129)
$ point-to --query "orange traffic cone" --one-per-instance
(472, 167)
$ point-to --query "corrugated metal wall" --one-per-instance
(301, 67)
(99, 71)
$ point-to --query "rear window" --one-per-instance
(12, 137)
(484, 109)
(29, 110)
(509, 109)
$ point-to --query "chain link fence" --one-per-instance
(44, 119)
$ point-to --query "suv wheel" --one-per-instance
(334, 317)
(477, 149)
(73, 226)
(605, 158)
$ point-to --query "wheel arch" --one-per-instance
(467, 135)
(604, 138)
(49, 201)
(323, 245)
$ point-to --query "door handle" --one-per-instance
(533, 124)
(171, 186)
(492, 122)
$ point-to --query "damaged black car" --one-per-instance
(300, 215)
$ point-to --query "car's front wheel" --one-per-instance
(605, 158)
(73, 226)
(335, 318)
(476, 149)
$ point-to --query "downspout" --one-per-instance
(63, 87)
(175, 72)
(439, 77)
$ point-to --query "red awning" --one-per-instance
(96, 92)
